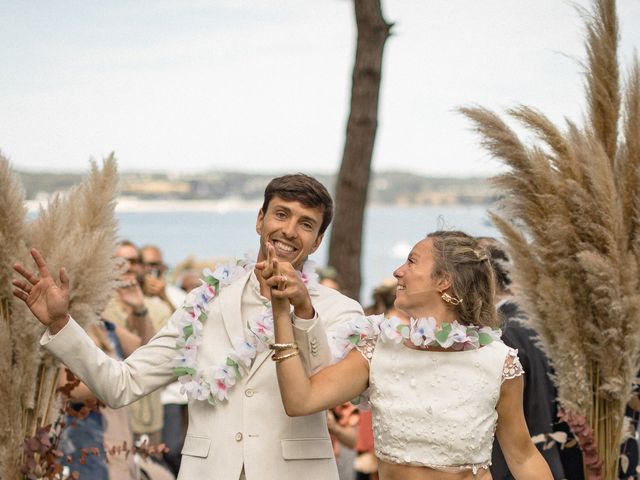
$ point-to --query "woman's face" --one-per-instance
(417, 291)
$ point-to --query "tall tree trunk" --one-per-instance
(353, 180)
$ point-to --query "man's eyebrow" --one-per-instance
(308, 219)
(283, 207)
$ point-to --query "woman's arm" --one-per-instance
(332, 386)
(523, 458)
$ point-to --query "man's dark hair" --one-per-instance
(304, 189)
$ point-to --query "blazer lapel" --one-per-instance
(260, 358)
(230, 299)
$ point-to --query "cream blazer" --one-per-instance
(251, 428)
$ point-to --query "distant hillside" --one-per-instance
(390, 187)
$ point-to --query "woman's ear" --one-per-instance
(444, 282)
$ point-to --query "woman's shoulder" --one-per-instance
(359, 332)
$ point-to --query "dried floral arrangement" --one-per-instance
(570, 217)
(43, 458)
(77, 230)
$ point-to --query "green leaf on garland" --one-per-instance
(443, 333)
(354, 339)
(203, 317)
(236, 368)
(180, 371)
(403, 330)
(187, 331)
(485, 339)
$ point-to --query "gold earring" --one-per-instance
(449, 299)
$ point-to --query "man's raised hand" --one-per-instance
(48, 301)
(285, 282)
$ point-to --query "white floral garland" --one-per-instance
(422, 332)
(213, 383)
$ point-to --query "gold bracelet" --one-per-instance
(277, 359)
(278, 347)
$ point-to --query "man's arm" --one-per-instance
(116, 383)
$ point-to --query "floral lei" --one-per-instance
(422, 332)
(213, 383)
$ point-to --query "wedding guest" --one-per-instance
(154, 283)
(539, 395)
(143, 315)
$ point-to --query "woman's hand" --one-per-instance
(277, 282)
(47, 300)
(285, 281)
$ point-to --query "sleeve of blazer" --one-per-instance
(332, 309)
(116, 383)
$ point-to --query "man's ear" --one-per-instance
(317, 243)
(259, 222)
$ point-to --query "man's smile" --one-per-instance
(283, 248)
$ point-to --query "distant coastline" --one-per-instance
(234, 190)
(133, 204)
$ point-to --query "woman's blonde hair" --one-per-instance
(460, 257)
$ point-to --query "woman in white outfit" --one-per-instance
(440, 385)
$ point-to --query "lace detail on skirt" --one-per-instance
(366, 347)
(512, 366)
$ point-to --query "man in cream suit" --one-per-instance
(248, 435)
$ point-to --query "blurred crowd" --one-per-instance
(146, 297)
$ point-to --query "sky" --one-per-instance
(185, 86)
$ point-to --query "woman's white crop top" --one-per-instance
(436, 409)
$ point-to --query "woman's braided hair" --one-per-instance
(468, 265)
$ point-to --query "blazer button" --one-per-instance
(249, 393)
(238, 437)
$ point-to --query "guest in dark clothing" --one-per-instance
(539, 392)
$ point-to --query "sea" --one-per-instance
(209, 230)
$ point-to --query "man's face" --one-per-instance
(152, 262)
(130, 254)
(292, 228)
